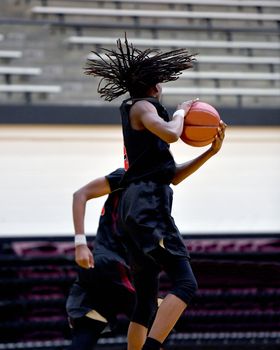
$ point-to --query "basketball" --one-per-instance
(201, 125)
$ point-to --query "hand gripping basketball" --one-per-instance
(200, 125)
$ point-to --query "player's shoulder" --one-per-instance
(143, 105)
(114, 178)
(116, 174)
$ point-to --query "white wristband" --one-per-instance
(80, 239)
(180, 113)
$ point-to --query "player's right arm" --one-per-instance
(144, 115)
(96, 188)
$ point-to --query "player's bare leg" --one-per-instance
(168, 313)
(136, 336)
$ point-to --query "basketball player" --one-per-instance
(104, 286)
(108, 289)
(145, 204)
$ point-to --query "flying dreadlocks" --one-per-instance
(129, 69)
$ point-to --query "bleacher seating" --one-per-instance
(237, 301)
(8, 72)
(9, 54)
(231, 37)
(154, 29)
(236, 60)
(136, 14)
(239, 93)
(172, 43)
(29, 90)
(229, 3)
(230, 75)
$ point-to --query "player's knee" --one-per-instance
(185, 289)
(144, 312)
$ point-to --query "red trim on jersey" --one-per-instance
(126, 162)
(125, 278)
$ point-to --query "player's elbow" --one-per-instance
(172, 137)
(175, 181)
(75, 197)
(76, 194)
(79, 196)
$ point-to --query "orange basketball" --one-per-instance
(201, 124)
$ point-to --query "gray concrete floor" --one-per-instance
(41, 166)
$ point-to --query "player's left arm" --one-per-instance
(94, 189)
(186, 169)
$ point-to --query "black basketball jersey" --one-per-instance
(94, 288)
(108, 240)
(148, 156)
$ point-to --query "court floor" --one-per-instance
(236, 191)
